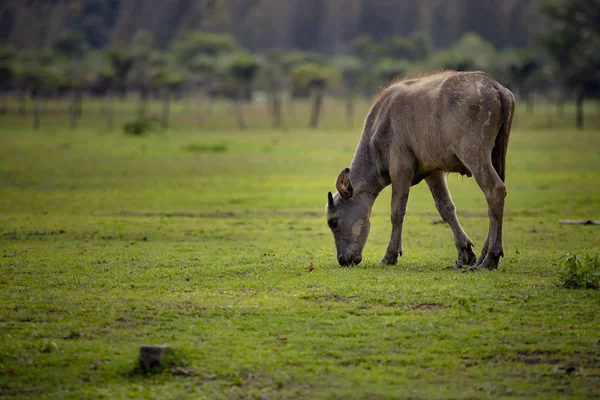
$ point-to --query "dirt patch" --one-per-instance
(177, 214)
(537, 357)
(216, 214)
(31, 234)
(563, 362)
(319, 298)
(426, 307)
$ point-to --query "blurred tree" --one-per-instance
(121, 61)
(199, 52)
(202, 73)
(8, 73)
(41, 76)
(7, 54)
(470, 53)
(350, 69)
(102, 81)
(365, 48)
(72, 46)
(275, 77)
(33, 79)
(292, 60)
(573, 39)
(173, 83)
(398, 47)
(523, 64)
(369, 53)
(167, 78)
(24, 61)
(388, 70)
(316, 78)
(297, 57)
(195, 43)
(421, 47)
(243, 68)
(142, 47)
(477, 50)
(113, 73)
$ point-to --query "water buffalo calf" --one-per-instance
(419, 129)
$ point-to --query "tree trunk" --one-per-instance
(549, 119)
(22, 102)
(349, 108)
(579, 109)
(316, 109)
(291, 102)
(530, 101)
(143, 103)
(3, 103)
(276, 108)
(73, 110)
(207, 99)
(79, 102)
(44, 104)
(239, 115)
(187, 95)
(200, 109)
(36, 111)
(560, 106)
(110, 114)
(165, 110)
(275, 86)
(104, 106)
(202, 95)
(526, 97)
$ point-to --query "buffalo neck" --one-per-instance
(366, 177)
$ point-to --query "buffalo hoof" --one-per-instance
(490, 261)
(390, 259)
(466, 257)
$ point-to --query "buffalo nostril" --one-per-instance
(357, 260)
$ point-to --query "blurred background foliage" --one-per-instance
(283, 50)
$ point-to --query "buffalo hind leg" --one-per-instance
(400, 189)
(495, 192)
(443, 202)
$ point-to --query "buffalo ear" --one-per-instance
(343, 184)
(329, 201)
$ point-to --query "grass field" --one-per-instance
(213, 241)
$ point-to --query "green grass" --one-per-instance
(213, 241)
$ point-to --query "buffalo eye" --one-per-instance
(332, 223)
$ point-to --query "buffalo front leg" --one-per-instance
(443, 202)
(400, 190)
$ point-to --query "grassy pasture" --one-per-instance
(212, 240)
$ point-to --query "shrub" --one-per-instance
(575, 272)
(137, 127)
(206, 148)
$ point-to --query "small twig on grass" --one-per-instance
(579, 222)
